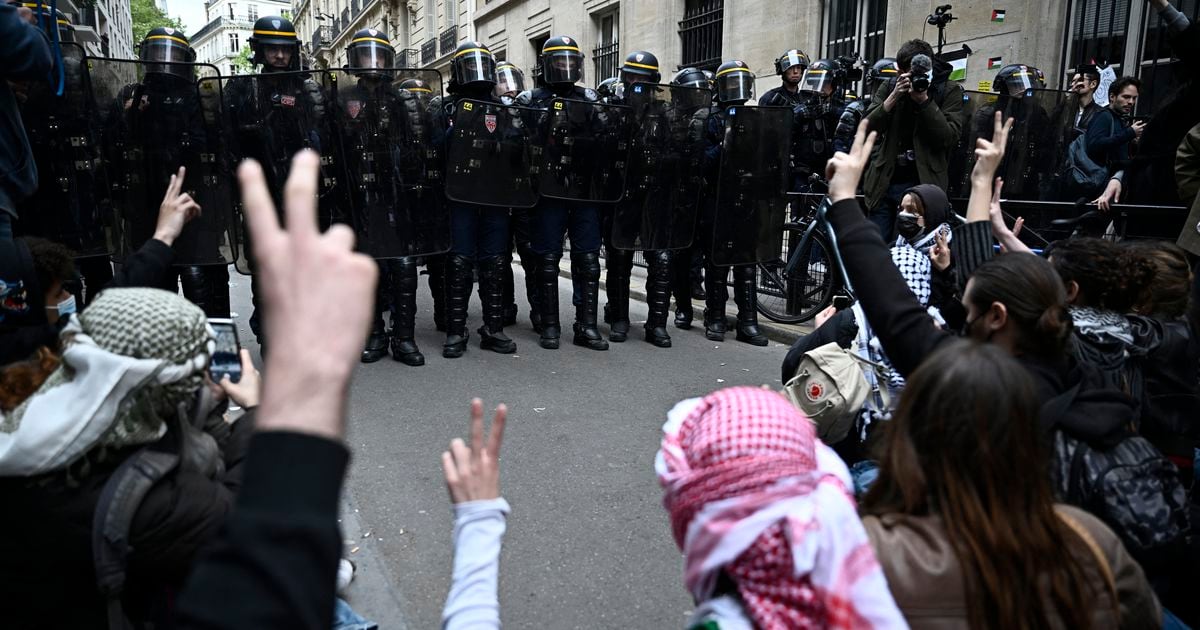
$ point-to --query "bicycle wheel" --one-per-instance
(797, 297)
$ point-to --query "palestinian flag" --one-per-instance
(995, 62)
(997, 15)
(958, 63)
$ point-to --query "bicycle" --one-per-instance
(793, 292)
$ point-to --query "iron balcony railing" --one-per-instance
(448, 40)
(322, 37)
(700, 32)
(605, 59)
(428, 52)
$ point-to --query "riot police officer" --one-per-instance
(161, 124)
(687, 267)
(480, 234)
(734, 86)
(1033, 145)
(881, 71)
(816, 118)
(640, 66)
(562, 69)
(374, 117)
(510, 89)
(275, 117)
(790, 66)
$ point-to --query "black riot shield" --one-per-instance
(665, 174)
(71, 205)
(392, 169)
(1037, 144)
(752, 186)
(271, 117)
(584, 147)
(155, 118)
(489, 155)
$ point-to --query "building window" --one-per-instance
(536, 71)
(252, 12)
(855, 26)
(234, 45)
(231, 8)
(606, 54)
(1129, 37)
(700, 32)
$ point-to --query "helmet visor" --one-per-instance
(564, 65)
(168, 56)
(372, 56)
(792, 58)
(509, 80)
(474, 65)
(735, 85)
(1020, 81)
(817, 80)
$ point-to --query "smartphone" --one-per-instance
(842, 302)
(227, 358)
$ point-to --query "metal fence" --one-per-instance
(448, 40)
(605, 59)
(700, 32)
(428, 52)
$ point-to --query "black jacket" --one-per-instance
(24, 56)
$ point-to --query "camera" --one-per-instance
(940, 17)
(921, 71)
(848, 69)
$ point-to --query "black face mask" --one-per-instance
(907, 226)
(965, 332)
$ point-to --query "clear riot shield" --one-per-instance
(752, 185)
(72, 204)
(154, 118)
(271, 117)
(584, 148)
(392, 170)
(489, 155)
(1036, 145)
(665, 175)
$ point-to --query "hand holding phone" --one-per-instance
(227, 357)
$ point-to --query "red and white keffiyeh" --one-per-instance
(751, 490)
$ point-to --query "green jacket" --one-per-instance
(936, 132)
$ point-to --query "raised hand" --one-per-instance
(989, 153)
(473, 474)
(844, 170)
(176, 209)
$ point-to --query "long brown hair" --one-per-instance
(20, 380)
(964, 445)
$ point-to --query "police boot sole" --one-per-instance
(713, 335)
(499, 346)
(618, 332)
(549, 343)
(371, 356)
(661, 342)
(590, 343)
(754, 340)
(414, 359)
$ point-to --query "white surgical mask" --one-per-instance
(65, 307)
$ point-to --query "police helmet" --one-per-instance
(1016, 79)
(610, 88)
(692, 77)
(793, 57)
(735, 82)
(418, 87)
(883, 70)
(165, 50)
(640, 66)
(66, 30)
(274, 30)
(821, 77)
(510, 81)
(370, 52)
(562, 61)
(473, 63)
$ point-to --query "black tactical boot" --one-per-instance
(547, 293)
(509, 300)
(436, 266)
(586, 267)
(658, 297)
(681, 289)
(207, 287)
(716, 294)
(491, 294)
(404, 313)
(459, 278)
(745, 294)
(616, 286)
(377, 342)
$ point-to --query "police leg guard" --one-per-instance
(547, 292)
(206, 287)
(586, 267)
(681, 288)
(377, 341)
(716, 293)
(436, 266)
(745, 293)
(509, 297)
(616, 287)
(529, 263)
(459, 279)
(491, 293)
(404, 312)
(658, 297)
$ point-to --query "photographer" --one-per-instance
(919, 119)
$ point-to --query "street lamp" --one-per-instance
(321, 17)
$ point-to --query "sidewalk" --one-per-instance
(785, 334)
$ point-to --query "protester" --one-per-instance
(920, 128)
(24, 55)
(1113, 130)
(762, 512)
(130, 376)
(1083, 85)
(962, 540)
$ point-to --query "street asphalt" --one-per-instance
(588, 542)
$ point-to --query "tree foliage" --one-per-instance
(147, 16)
(242, 60)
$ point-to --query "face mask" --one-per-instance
(907, 226)
(965, 332)
(65, 307)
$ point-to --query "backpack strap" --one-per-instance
(119, 501)
(1097, 554)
